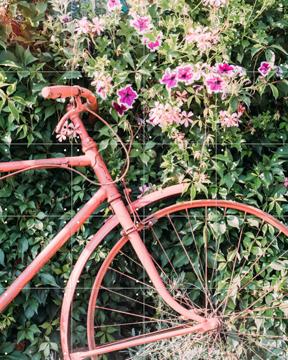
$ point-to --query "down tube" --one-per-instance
(49, 251)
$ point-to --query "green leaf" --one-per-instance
(28, 58)
(128, 58)
(69, 75)
(181, 260)
(274, 90)
(13, 109)
(48, 279)
(41, 215)
(11, 88)
(279, 47)
(23, 246)
(2, 257)
(233, 221)
(138, 78)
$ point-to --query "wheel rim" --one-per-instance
(233, 321)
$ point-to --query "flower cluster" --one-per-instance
(202, 37)
(230, 120)
(141, 24)
(103, 84)
(144, 27)
(85, 26)
(180, 140)
(68, 130)
(113, 5)
(216, 78)
(167, 114)
(215, 3)
(185, 74)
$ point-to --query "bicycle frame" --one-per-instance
(107, 191)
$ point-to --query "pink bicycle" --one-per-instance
(183, 279)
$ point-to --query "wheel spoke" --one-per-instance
(212, 257)
(204, 287)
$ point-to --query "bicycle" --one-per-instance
(230, 298)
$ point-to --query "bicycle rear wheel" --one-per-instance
(222, 258)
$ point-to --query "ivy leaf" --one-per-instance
(2, 257)
(28, 57)
(128, 58)
(48, 279)
(274, 90)
(13, 109)
(233, 221)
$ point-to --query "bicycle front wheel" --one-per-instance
(221, 258)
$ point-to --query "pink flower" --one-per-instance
(61, 137)
(186, 118)
(141, 24)
(127, 96)
(179, 138)
(285, 183)
(103, 86)
(169, 79)
(72, 130)
(114, 5)
(96, 26)
(83, 26)
(153, 45)
(214, 84)
(241, 109)
(164, 114)
(265, 68)
(215, 3)
(65, 19)
(181, 97)
(202, 37)
(68, 130)
(185, 74)
(144, 188)
(225, 69)
(119, 108)
(229, 120)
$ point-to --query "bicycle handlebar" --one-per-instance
(64, 91)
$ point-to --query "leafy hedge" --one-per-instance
(234, 145)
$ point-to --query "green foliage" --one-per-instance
(246, 163)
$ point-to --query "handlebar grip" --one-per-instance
(64, 91)
(60, 91)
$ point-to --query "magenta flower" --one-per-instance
(225, 69)
(127, 96)
(119, 108)
(214, 84)
(141, 24)
(264, 68)
(114, 5)
(285, 183)
(185, 74)
(169, 79)
(153, 45)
